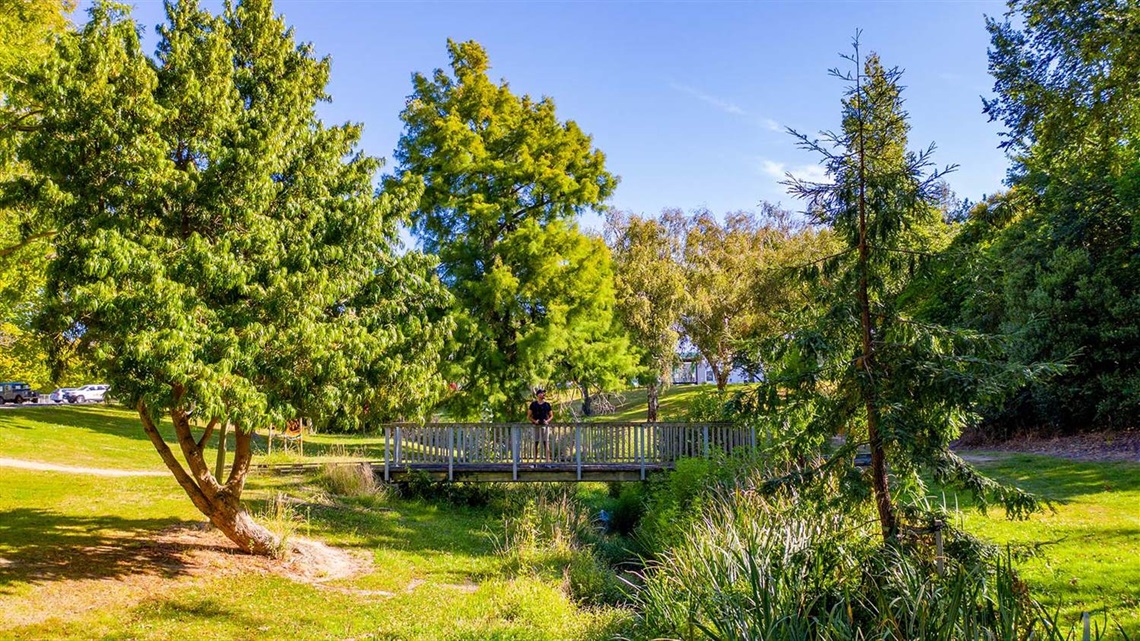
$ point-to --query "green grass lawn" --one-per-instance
(80, 545)
(1087, 549)
(77, 544)
(673, 403)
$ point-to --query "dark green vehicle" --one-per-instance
(18, 393)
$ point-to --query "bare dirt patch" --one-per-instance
(125, 572)
(1095, 446)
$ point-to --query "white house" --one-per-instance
(694, 370)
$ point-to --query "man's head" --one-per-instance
(540, 393)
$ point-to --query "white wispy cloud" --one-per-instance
(780, 171)
(723, 105)
(728, 107)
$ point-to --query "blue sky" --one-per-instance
(687, 99)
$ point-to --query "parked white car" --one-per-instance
(87, 394)
(60, 395)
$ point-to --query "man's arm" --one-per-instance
(529, 415)
(549, 415)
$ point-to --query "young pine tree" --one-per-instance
(861, 365)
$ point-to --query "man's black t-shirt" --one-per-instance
(539, 411)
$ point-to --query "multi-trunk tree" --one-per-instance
(650, 287)
(504, 181)
(222, 253)
(861, 364)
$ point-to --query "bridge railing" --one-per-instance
(566, 445)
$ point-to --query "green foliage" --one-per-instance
(650, 287)
(756, 567)
(504, 179)
(718, 261)
(1052, 261)
(861, 364)
(554, 535)
(222, 251)
(713, 406)
(28, 30)
(735, 280)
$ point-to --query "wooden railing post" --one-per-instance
(705, 432)
(451, 453)
(514, 452)
(641, 448)
(399, 455)
(387, 473)
(578, 448)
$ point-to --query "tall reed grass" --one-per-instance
(757, 567)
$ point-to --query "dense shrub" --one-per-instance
(756, 566)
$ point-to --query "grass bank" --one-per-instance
(84, 557)
(1084, 553)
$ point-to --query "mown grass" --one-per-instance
(435, 573)
(673, 405)
(1084, 554)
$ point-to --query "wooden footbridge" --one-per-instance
(557, 452)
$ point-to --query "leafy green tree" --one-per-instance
(776, 291)
(650, 288)
(504, 180)
(28, 30)
(222, 253)
(595, 354)
(1067, 85)
(862, 365)
(719, 261)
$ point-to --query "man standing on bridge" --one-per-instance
(539, 414)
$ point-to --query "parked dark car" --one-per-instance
(18, 393)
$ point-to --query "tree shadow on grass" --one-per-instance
(41, 546)
(96, 418)
(1059, 480)
(121, 422)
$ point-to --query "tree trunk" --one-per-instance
(879, 481)
(651, 395)
(721, 376)
(587, 401)
(220, 464)
(219, 503)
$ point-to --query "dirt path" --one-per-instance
(68, 469)
(68, 583)
(1095, 447)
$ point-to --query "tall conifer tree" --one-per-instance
(504, 181)
(861, 365)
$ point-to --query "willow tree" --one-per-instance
(222, 253)
(861, 365)
(504, 180)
